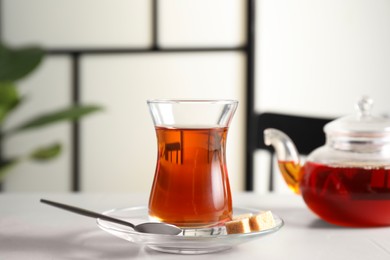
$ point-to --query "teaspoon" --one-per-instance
(147, 227)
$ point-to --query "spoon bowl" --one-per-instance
(147, 227)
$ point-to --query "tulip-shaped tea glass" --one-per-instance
(191, 185)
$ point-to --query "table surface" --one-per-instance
(31, 230)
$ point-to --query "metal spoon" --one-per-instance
(147, 227)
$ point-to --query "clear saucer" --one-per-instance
(191, 241)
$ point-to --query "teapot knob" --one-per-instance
(364, 106)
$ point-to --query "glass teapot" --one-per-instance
(347, 181)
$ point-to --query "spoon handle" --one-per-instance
(86, 212)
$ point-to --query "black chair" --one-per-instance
(306, 132)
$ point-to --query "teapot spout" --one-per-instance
(287, 156)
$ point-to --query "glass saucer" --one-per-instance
(191, 241)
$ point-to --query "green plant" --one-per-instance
(15, 64)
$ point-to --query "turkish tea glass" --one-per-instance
(191, 185)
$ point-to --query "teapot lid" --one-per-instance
(362, 124)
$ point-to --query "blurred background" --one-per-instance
(305, 57)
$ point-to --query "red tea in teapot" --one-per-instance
(349, 196)
(191, 187)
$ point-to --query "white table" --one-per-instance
(31, 230)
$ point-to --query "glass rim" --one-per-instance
(192, 101)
